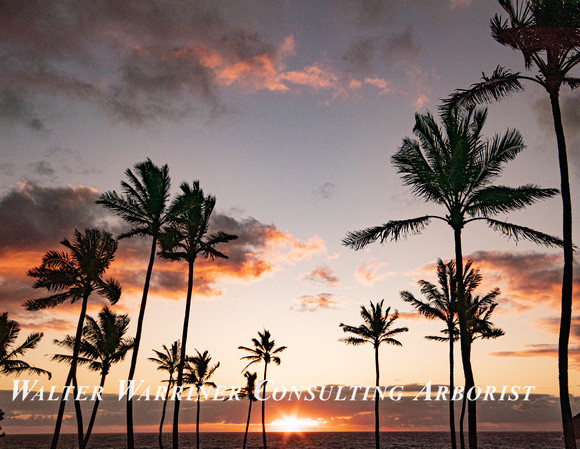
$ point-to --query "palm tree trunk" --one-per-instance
(247, 425)
(78, 414)
(465, 342)
(376, 398)
(169, 385)
(451, 388)
(197, 422)
(72, 372)
(567, 277)
(461, 419)
(182, 359)
(130, 435)
(94, 413)
(264, 405)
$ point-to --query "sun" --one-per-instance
(294, 424)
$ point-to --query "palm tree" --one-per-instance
(143, 205)
(75, 275)
(167, 360)
(441, 304)
(453, 166)
(546, 32)
(9, 363)
(248, 391)
(197, 373)
(103, 344)
(376, 329)
(184, 239)
(264, 350)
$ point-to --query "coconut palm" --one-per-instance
(198, 373)
(264, 350)
(167, 360)
(376, 329)
(10, 354)
(454, 166)
(184, 239)
(441, 304)
(75, 275)
(547, 33)
(143, 205)
(248, 392)
(103, 344)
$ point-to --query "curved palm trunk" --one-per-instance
(567, 277)
(247, 425)
(465, 341)
(197, 422)
(264, 406)
(94, 413)
(451, 388)
(182, 359)
(78, 414)
(71, 374)
(130, 435)
(376, 398)
(461, 419)
(169, 385)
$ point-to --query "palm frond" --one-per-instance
(515, 232)
(394, 229)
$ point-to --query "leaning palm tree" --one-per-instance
(10, 354)
(75, 275)
(167, 360)
(198, 373)
(376, 329)
(184, 239)
(264, 350)
(547, 33)
(454, 166)
(143, 205)
(442, 304)
(248, 392)
(103, 344)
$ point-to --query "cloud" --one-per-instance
(525, 278)
(324, 275)
(325, 191)
(459, 3)
(368, 273)
(400, 48)
(312, 303)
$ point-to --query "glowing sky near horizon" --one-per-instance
(287, 112)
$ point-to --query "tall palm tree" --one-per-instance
(441, 304)
(546, 32)
(376, 329)
(264, 350)
(9, 354)
(248, 392)
(75, 275)
(453, 166)
(103, 344)
(198, 373)
(167, 360)
(184, 239)
(143, 205)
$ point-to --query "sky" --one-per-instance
(288, 112)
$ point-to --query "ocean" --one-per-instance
(306, 440)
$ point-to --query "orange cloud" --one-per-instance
(311, 303)
(368, 273)
(323, 274)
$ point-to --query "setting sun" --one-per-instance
(295, 424)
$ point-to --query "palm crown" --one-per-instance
(454, 166)
(198, 370)
(264, 350)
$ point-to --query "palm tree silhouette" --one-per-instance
(546, 33)
(167, 360)
(9, 354)
(453, 166)
(442, 304)
(184, 239)
(248, 392)
(198, 373)
(103, 344)
(143, 205)
(75, 275)
(376, 329)
(264, 350)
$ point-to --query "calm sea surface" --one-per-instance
(322, 440)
